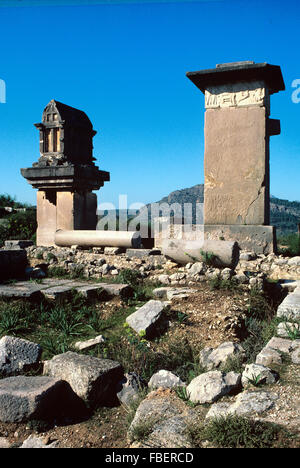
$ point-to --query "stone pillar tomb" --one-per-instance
(236, 158)
(65, 174)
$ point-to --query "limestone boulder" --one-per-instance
(258, 374)
(163, 420)
(290, 307)
(248, 403)
(211, 386)
(214, 358)
(129, 387)
(165, 379)
(38, 443)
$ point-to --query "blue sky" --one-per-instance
(124, 64)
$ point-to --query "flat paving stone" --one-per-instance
(59, 291)
(53, 288)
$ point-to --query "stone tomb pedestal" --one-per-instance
(64, 202)
(65, 174)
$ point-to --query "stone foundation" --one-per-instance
(258, 239)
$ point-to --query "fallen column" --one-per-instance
(98, 238)
(218, 253)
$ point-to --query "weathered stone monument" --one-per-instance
(65, 174)
(236, 158)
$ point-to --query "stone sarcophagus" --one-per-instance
(65, 174)
(236, 158)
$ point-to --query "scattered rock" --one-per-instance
(246, 404)
(113, 250)
(4, 443)
(165, 379)
(176, 277)
(218, 410)
(285, 329)
(130, 386)
(195, 269)
(138, 253)
(123, 290)
(37, 442)
(294, 261)
(161, 421)
(17, 354)
(164, 279)
(147, 317)
(253, 402)
(268, 356)
(283, 345)
(173, 293)
(80, 345)
(211, 359)
(258, 374)
(295, 356)
(290, 307)
(209, 387)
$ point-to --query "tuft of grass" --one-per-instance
(209, 258)
(233, 364)
(218, 283)
(238, 432)
(291, 244)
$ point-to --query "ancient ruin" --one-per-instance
(236, 159)
(65, 174)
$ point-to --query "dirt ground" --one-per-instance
(210, 317)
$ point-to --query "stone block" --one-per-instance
(258, 239)
(92, 379)
(24, 398)
(137, 253)
(146, 318)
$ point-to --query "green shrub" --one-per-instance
(291, 244)
(239, 432)
(21, 225)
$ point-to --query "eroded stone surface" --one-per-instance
(165, 379)
(16, 354)
(23, 398)
(91, 378)
(213, 358)
(145, 319)
(210, 386)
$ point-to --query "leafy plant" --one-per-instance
(255, 380)
(239, 432)
(208, 257)
(293, 331)
(182, 317)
